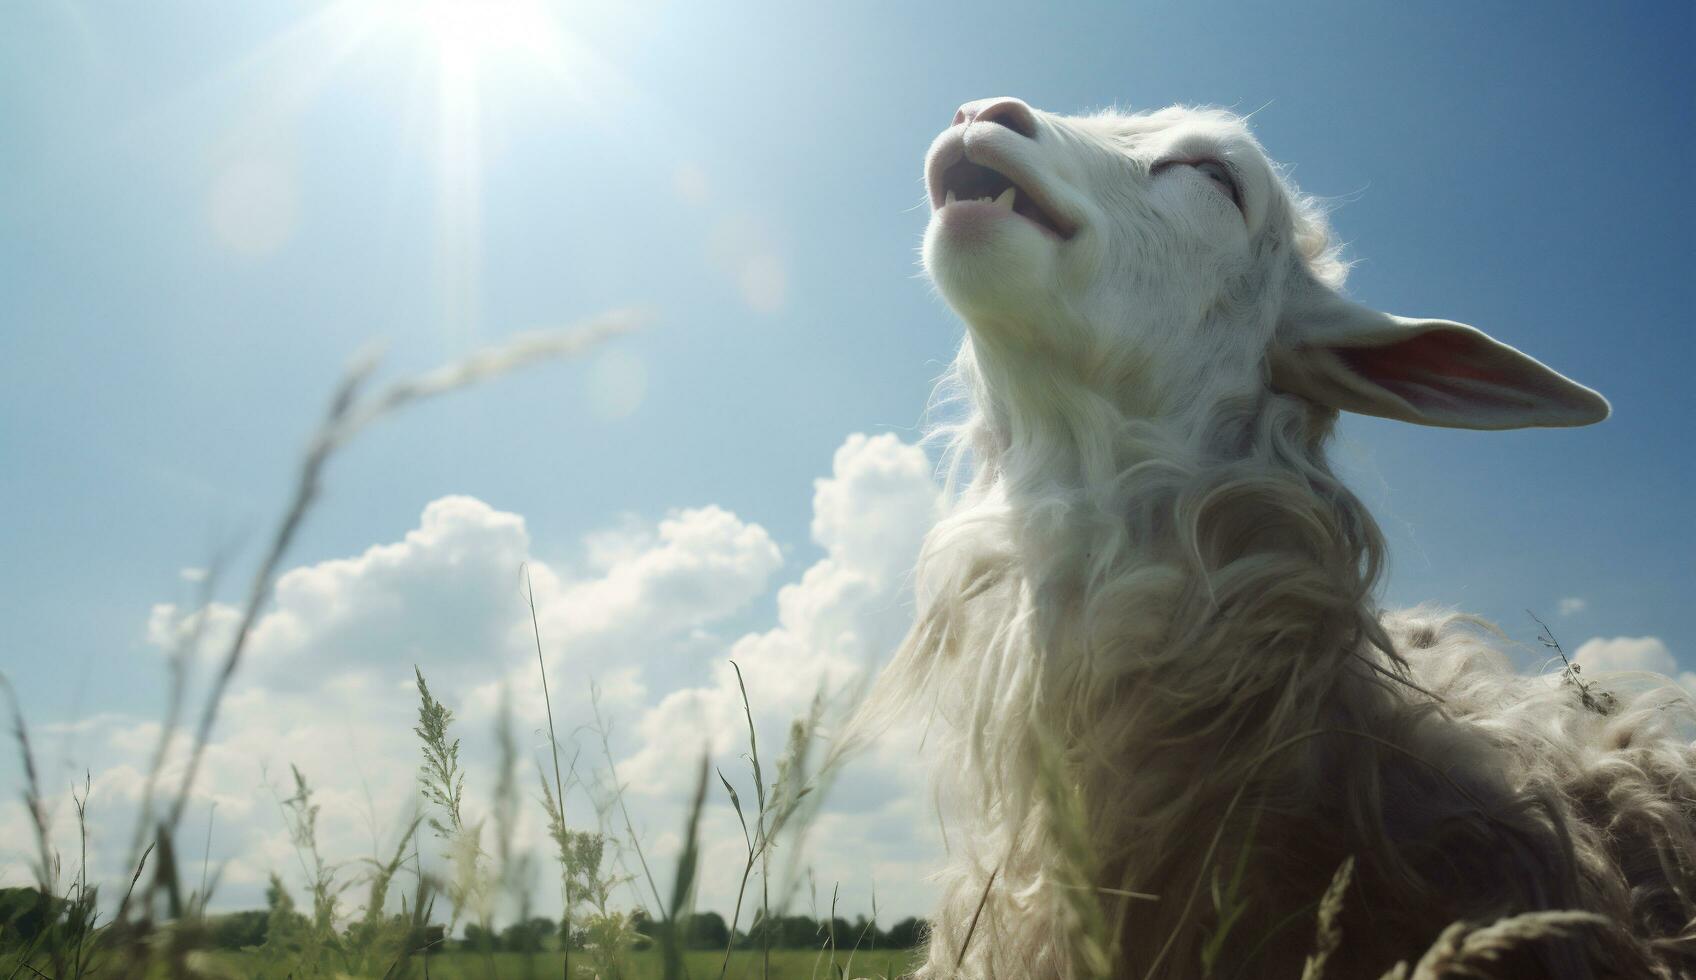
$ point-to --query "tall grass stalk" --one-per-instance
(787, 802)
(683, 883)
(442, 783)
(47, 864)
(869, 930)
(82, 906)
(603, 732)
(1329, 933)
(1229, 903)
(300, 815)
(439, 778)
(1063, 809)
(206, 857)
(1467, 950)
(372, 940)
(66, 959)
(977, 913)
(183, 652)
(556, 816)
(513, 874)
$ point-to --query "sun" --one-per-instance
(450, 67)
(469, 36)
(471, 57)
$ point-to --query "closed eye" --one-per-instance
(1215, 170)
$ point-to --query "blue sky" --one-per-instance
(208, 208)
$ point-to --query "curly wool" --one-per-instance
(1151, 649)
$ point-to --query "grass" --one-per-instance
(160, 928)
(786, 964)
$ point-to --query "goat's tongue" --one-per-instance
(969, 181)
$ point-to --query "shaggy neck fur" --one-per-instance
(1157, 656)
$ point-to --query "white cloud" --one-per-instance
(450, 593)
(327, 682)
(840, 618)
(874, 510)
(608, 546)
(171, 628)
(327, 685)
(1631, 653)
(1573, 605)
(1626, 653)
(844, 613)
(705, 564)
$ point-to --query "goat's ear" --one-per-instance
(1430, 372)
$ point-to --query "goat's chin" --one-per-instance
(991, 269)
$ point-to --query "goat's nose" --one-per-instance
(1004, 111)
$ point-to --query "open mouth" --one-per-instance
(967, 181)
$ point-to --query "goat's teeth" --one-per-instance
(1005, 201)
(949, 199)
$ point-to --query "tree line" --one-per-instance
(708, 930)
(25, 913)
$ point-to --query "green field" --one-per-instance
(786, 964)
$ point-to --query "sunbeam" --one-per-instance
(451, 64)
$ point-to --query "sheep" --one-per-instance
(1165, 705)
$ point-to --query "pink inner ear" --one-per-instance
(1435, 354)
(1442, 369)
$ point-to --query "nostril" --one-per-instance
(1011, 113)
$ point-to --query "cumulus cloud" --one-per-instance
(836, 622)
(449, 594)
(845, 611)
(703, 564)
(172, 628)
(328, 682)
(1632, 653)
(874, 510)
(1573, 605)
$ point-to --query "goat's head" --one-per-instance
(1160, 261)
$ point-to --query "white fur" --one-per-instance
(1146, 634)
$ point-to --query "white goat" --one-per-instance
(1147, 625)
